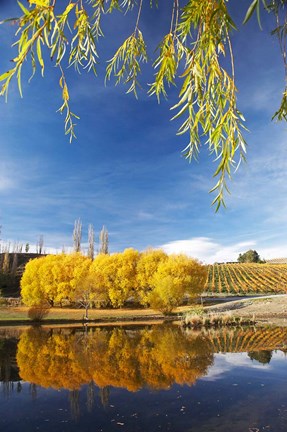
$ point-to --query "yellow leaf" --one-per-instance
(65, 93)
(5, 75)
(41, 3)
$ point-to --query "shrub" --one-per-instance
(3, 301)
(193, 320)
(38, 312)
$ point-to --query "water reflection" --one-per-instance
(153, 357)
(111, 377)
(156, 357)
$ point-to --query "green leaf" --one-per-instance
(258, 14)
(19, 80)
(250, 10)
(39, 55)
(24, 10)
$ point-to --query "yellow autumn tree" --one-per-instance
(116, 275)
(32, 290)
(86, 293)
(99, 274)
(49, 283)
(125, 278)
(148, 263)
(70, 269)
(175, 278)
(53, 278)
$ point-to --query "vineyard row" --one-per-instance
(247, 278)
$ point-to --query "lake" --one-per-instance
(143, 379)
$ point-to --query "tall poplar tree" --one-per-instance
(104, 241)
(77, 235)
(91, 240)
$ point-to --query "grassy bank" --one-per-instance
(20, 314)
(265, 309)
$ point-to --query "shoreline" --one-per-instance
(267, 310)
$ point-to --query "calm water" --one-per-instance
(145, 379)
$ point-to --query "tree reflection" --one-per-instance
(75, 403)
(156, 357)
(8, 366)
(263, 357)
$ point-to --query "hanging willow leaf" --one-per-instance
(193, 54)
(125, 64)
(167, 63)
(207, 99)
(65, 107)
(281, 114)
(83, 49)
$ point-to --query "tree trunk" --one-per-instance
(86, 317)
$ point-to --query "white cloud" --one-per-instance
(226, 362)
(273, 252)
(6, 183)
(207, 250)
(145, 216)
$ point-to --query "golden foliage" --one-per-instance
(116, 274)
(32, 291)
(53, 278)
(176, 277)
(149, 278)
(146, 268)
(155, 358)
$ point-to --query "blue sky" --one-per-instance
(126, 170)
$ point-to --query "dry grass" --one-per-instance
(214, 320)
(262, 309)
(63, 314)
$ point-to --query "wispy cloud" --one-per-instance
(6, 183)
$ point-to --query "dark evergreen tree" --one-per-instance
(251, 256)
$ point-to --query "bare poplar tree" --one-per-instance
(17, 248)
(91, 240)
(6, 262)
(14, 263)
(40, 245)
(77, 235)
(104, 241)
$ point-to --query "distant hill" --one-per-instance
(277, 261)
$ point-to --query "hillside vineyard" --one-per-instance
(246, 278)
